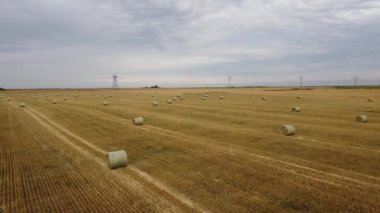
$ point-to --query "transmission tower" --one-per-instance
(301, 81)
(356, 80)
(229, 81)
(114, 82)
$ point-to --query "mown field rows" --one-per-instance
(217, 155)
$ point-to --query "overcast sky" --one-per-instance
(81, 43)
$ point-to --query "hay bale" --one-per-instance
(362, 118)
(296, 109)
(152, 96)
(105, 103)
(8, 99)
(169, 101)
(205, 95)
(105, 97)
(22, 105)
(117, 159)
(287, 130)
(53, 101)
(138, 121)
(204, 98)
(64, 98)
(298, 97)
(175, 98)
(370, 100)
(221, 97)
(155, 103)
(181, 98)
(264, 98)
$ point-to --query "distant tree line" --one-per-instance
(155, 86)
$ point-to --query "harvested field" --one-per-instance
(193, 155)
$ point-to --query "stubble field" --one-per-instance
(215, 155)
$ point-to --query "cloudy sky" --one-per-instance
(81, 43)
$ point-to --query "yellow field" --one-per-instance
(192, 155)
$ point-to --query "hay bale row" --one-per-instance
(117, 159)
(362, 118)
(296, 109)
(287, 130)
(138, 121)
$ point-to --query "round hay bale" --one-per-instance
(205, 95)
(22, 105)
(362, 118)
(8, 99)
(264, 98)
(138, 121)
(221, 97)
(204, 98)
(169, 101)
(152, 96)
(298, 97)
(181, 98)
(175, 98)
(64, 98)
(370, 100)
(117, 159)
(287, 130)
(105, 103)
(296, 109)
(155, 103)
(53, 101)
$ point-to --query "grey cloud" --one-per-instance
(182, 42)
